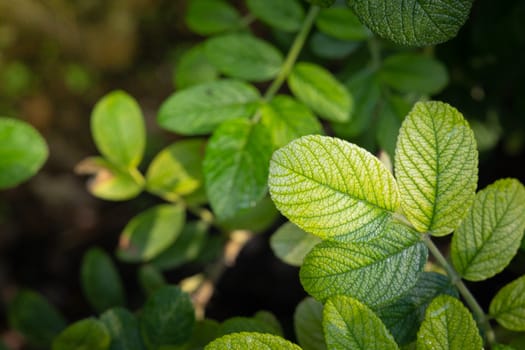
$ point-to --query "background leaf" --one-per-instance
(200, 109)
(436, 167)
(349, 324)
(194, 68)
(283, 15)
(508, 306)
(123, 329)
(256, 219)
(247, 324)
(308, 323)
(332, 189)
(252, 341)
(207, 17)
(150, 279)
(22, 152)
(341, 23)
(489, 237)
(88, 333)
(204, 332)
(291, 244)
(322, 3)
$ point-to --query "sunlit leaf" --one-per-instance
(252, 341)
(508, 306)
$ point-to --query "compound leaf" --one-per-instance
(349, 324)
(308, 323)
(448, 324)
(490, 236)
(200, 109)
(207, 17)
(413, 22)
(375, 272)
(332, 189)
(123, 329)
(291, 244)
(436, 166)
(341, 23)
(88, 333)
(252, 341)
(508, 306)
(283, 15)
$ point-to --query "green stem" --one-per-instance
(479, 314)
(296, 48)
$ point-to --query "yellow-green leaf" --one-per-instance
(508, 306)
(252, 341)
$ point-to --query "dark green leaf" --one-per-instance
(207, 17)
(255, 219)
(329, 47)
(284, 15)
(203, 333)
(123, 329)
(270, 321)
(341, 23)
(322, 3)
(308, 323)
(194, 68)
(86, 334)
(150, 279)
(393, 111)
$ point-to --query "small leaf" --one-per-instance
(392, 265)
(332, 189)
(270, 320)
(123, 329)
(244, 56)
(288, 119)
(167, 318)
(291, 244)
(200, 109)
(247, 324)
(308, 322)
(236, 166)
(252, 341)
(194, 68)
(255, 219)
(436, 167)
(321, 3)
(328, 47)
(489, 237)
(150, 279)
(448, 325)
(283, 15)
(101, 282)
(85, 334)
(341, 23)
(409, 72)
(204, 332)
(393, 111)
(177, 170)
(118, 129)
(22, 152)
(413, 22)
(321, 91)
(151, 232)
(207, 17)
(349, 324)
(508, 306)
(38, 321)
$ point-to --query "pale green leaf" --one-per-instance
(410, 72)
(308, 324)
(508, 306)
(341, 23)
(200, 109)
(291, 244)
(332, 189)
(436, 167)
(489, 237)
(244, 56)
(207, 17)
(375, 272)
(123, 329)
(236, 166)
(151, 232)
(317, 88)
(194, 68)
(23, 152)
(413, 22)
(118, 129)
(349, 324)
(448, 324)
(283, 15)
(86, 334)
(252, 341)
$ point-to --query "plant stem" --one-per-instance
(296, 48)
(479, 314)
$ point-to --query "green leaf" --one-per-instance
(177, 170)
(490, 236)
(200, 109)
(508, 306)
(194, 68)
(236, 166)
(308, 323)
(204, 332)
(151, 232)
(255, 219)
(110, 182)
(207, 17)
(341, 23)
(252, 341)
(123, 329)
(448, 325)
(410, 72)
(38, 321)
(291, 244)
(167, 318)
(392, 265)
(22, 152)
(329, 47)
(404, 315)
(244, 56)
(118, 129)
(332, 189)
(247, 324)
(288, 119)
(321, 3)
(321, 91)
(502, 347)
(436, 167)
(86, 334)
(150, 279)
(101, 282)
(270, 320)
(283, 15)
(349, 324)
(413, 22)
(393, 111)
